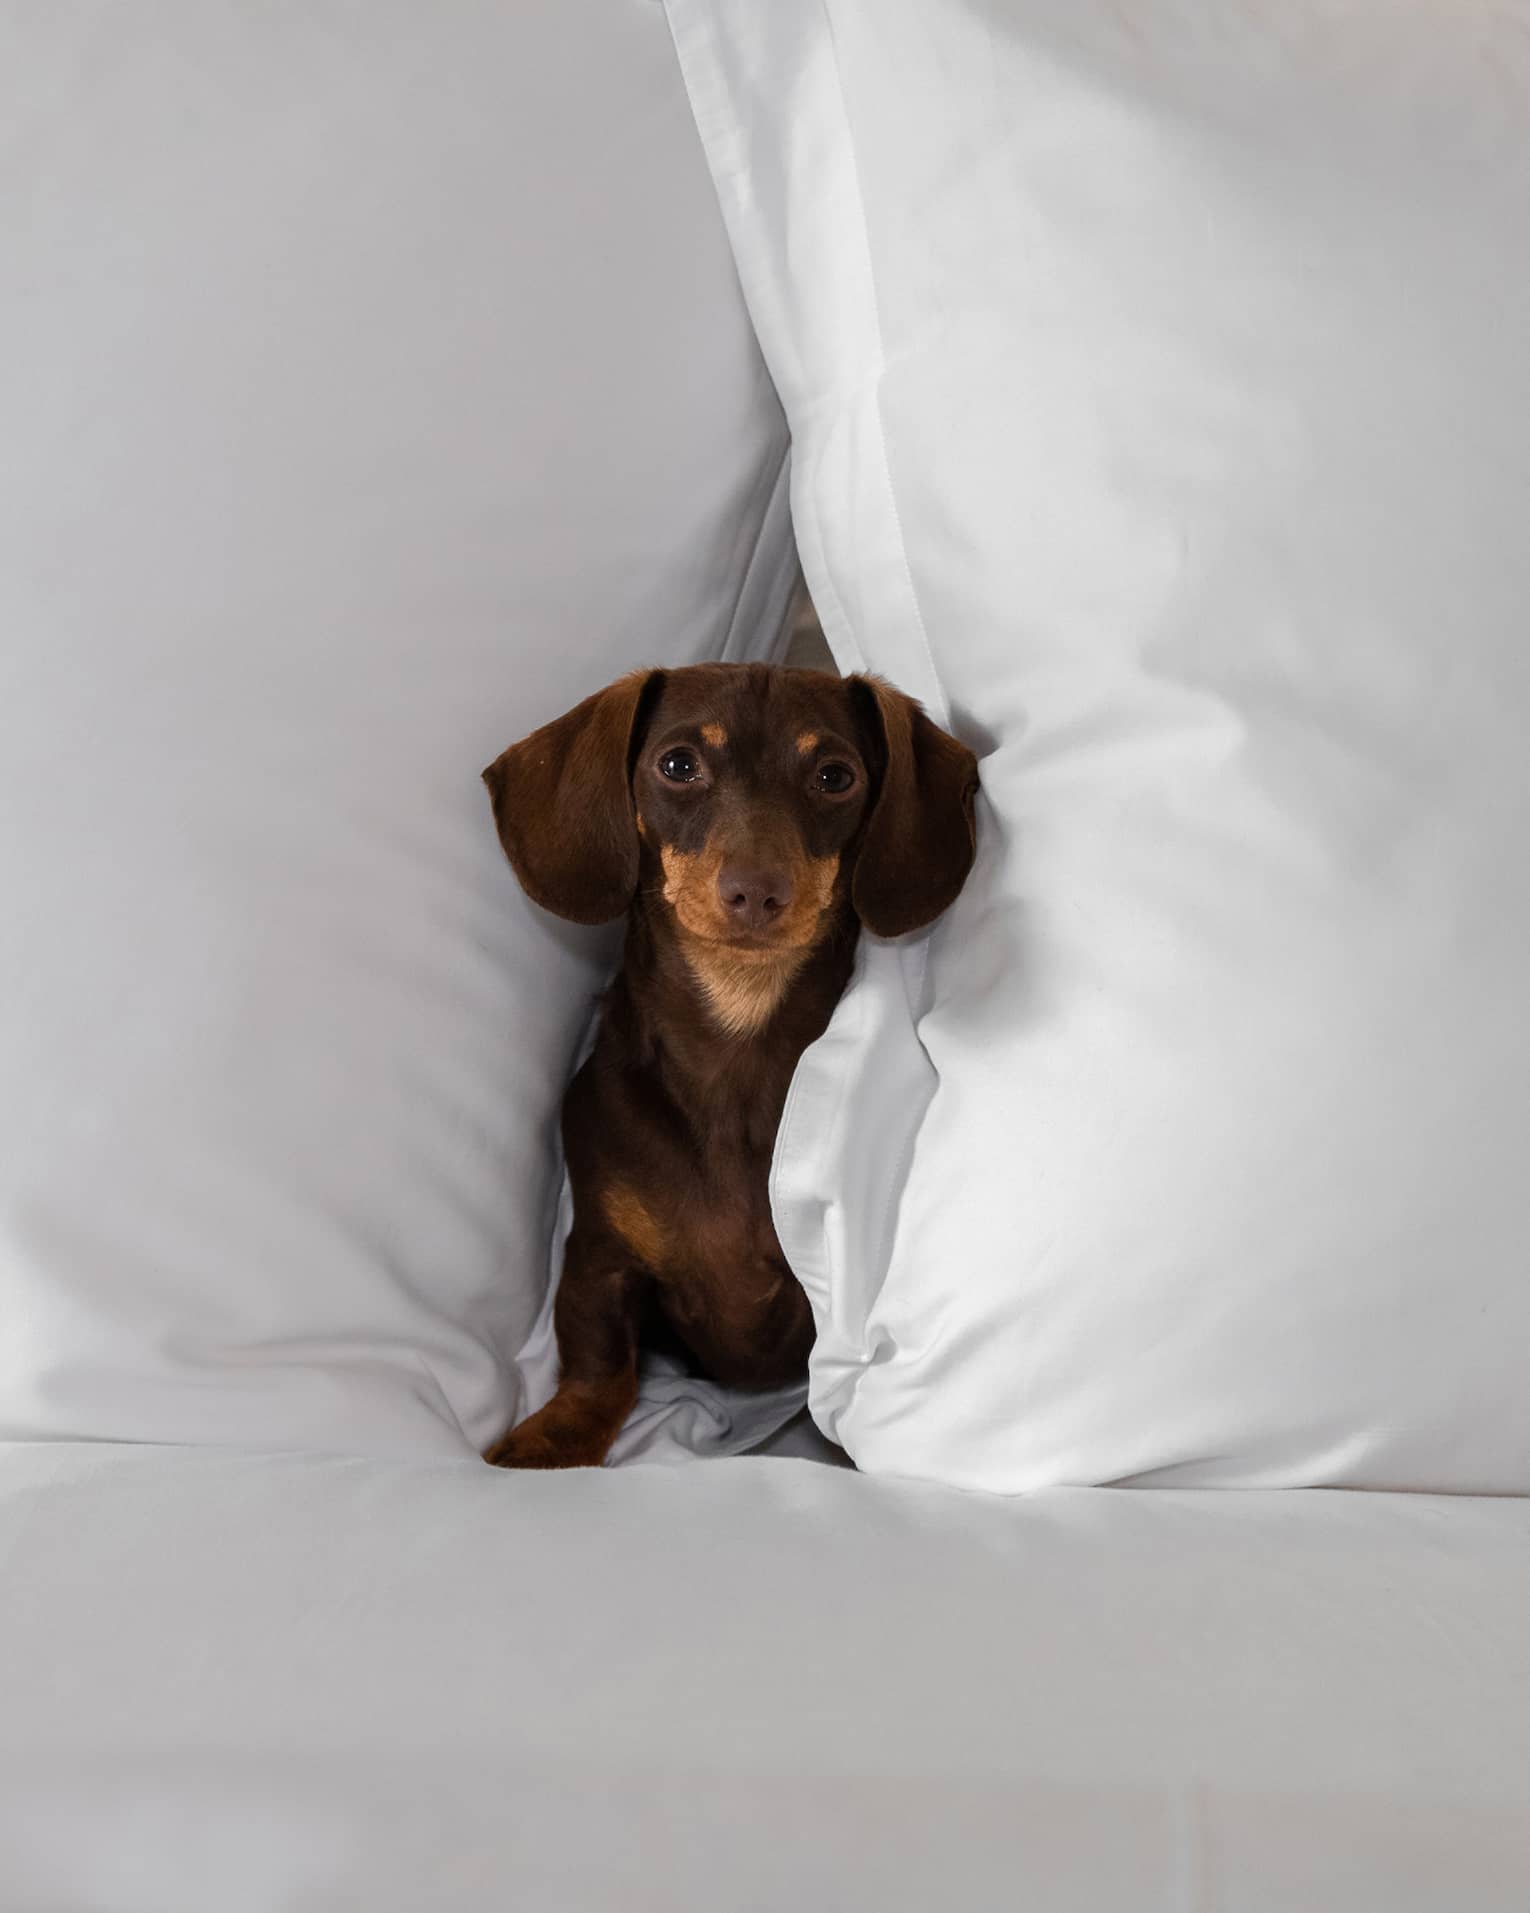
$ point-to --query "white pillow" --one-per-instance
(375, 385)
(1160, 385)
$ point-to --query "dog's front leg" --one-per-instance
(598, 1316)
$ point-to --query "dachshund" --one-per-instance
(747, 820)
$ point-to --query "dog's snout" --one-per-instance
(753, 898)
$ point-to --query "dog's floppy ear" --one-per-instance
(920, 837)
(563, 803)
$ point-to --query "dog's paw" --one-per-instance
(529, 1448)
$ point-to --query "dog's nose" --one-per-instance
(753, 898)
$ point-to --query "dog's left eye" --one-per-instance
(680, 767)
(835, 778)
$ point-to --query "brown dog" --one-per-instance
(747, 821)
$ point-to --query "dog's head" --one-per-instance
(755, 804)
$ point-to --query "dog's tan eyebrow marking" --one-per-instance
(715, 735)
(806, 741)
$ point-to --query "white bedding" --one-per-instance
(250, 1682)
(1157, 379)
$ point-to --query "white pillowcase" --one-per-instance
(375, 384)
(1159, 379)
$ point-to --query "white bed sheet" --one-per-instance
(253, 1682)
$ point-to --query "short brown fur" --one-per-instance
(745, 887)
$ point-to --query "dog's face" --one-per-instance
(749, 789)
(753, 803)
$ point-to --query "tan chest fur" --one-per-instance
(726, 1286)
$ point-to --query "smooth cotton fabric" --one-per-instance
(254, 1682)
(374, 384)
(1158, 380)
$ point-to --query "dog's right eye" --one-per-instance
(679, 766)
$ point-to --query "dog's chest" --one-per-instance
(742, 1313)
(725, 1285)
(678, 1167)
